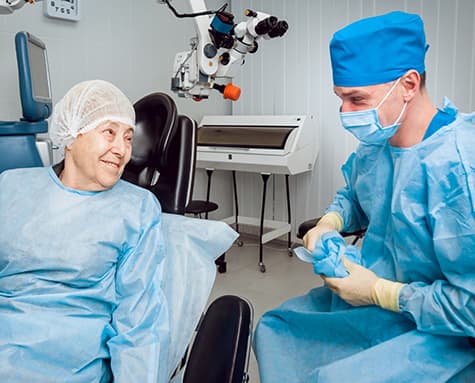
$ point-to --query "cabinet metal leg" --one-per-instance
(289, 234)
(265, 178)
(236, 208)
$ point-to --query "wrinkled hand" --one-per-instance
(357, 288)
(313, 235)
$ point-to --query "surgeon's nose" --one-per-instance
(347, 106)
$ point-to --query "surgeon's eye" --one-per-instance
(357, 100)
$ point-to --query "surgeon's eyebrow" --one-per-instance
(351, 93)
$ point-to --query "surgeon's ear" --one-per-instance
(411, 82)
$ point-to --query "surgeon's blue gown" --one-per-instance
(418, 205)
(80, 283)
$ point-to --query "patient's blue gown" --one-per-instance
(80, 282)
(418, 205)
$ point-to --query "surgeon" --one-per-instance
(407, 313)
(81, 255)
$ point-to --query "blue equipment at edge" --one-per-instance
(18, 138)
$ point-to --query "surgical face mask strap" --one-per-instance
(400, 114)
(388, 93)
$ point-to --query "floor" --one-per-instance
(285, 277)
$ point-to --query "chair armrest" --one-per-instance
(307, 225)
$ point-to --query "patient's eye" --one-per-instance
(108, 132)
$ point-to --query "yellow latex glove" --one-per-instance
(362, 287)
(329, 222)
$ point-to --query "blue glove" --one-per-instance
(326, 257)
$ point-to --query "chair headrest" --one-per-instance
(163, 152)
(156, 115)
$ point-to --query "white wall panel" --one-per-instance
(292, 75)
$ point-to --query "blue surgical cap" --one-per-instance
(378, 49)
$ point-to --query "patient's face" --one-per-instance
(96, 159)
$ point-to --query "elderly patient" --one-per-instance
(81, 255)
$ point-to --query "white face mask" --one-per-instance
(365, 124)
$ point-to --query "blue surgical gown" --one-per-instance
(418, 205)
(81, 298)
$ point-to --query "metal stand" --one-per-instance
(278, 228)
(236, 208)
(289, 235)
(265, 178)
(221, 260)
(209, 172)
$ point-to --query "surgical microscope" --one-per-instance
(219, 49)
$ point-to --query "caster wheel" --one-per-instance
(262, 268)
(222, 269)
(240, 243)
(291, 253)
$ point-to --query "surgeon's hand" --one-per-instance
(313, 235)
(357, 287)
(329, 222)
(362, 287)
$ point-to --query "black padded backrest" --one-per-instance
(155, 116)
(175, 184)
(164, 147)
(221, 347)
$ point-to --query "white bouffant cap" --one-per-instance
(87, 105)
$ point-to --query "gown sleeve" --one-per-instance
(138, 350)
(346, 202)
(447, 305)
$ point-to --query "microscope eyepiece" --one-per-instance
(279, 30)
(265, 26)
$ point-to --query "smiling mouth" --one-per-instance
(111, 164)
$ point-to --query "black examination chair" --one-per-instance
(163, 152)
(163, 161)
